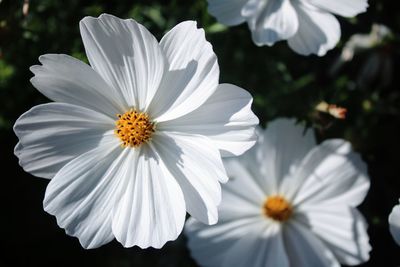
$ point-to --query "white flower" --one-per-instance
(394, 223)
(308, 25)
(377, 68)
(289, 203)
(133, 176)
(361, 42)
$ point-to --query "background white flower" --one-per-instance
(289, 203)
(134, 175)
(378, 66)
(308, 25)
(394, 223)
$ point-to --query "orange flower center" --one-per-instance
(134, 128)
(277, 208)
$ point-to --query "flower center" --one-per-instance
(134, 128)
(277, 208)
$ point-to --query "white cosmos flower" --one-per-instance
(378, 66)
(394, 223)
(290, 203)
(308, 25)
(133, 176)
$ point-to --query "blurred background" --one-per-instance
(360, 75)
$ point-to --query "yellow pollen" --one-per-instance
(134, 128)
(277, 208)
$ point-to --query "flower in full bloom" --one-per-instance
(307, 25)
(290, 203)
(134, 140)
(394, 223)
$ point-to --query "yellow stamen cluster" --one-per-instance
(134, 128)
(277, 208)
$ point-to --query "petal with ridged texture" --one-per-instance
(305, 249)
(333, 173)
(197, 166)
(244, 194)
(151, 210)
(126, 55)
(231, 125)
(318, 32)
(82, 194)
(273, 22)
(51, 135)
(211, 245)
(193, 73)
(263, 246)
(345, 8)
(65, 79)
(281, 150)
(342, 229)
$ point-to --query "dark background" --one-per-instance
(282, 83)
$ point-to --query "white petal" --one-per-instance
(346, 8)
(252, 8)
(263, 246)
(281, 150)
(394, 223)
(51, 135)
(243, 195)
(253, 173)
(196, 165)
(318, 32)
(275, 21)
(81, 195)
(331, 172)
(342, 229)
(226, 118)
(210, 245)
(126, 55)
(65, 79)
(305, 249)
(192, 76)
(227, 12)
(151, 210)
